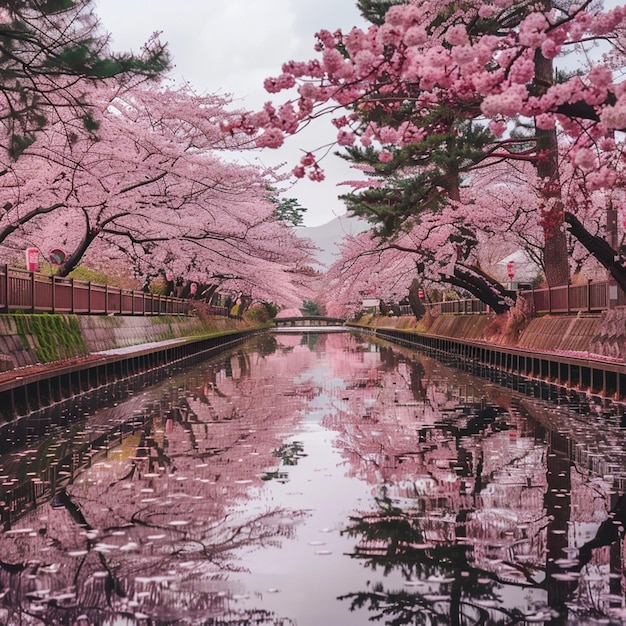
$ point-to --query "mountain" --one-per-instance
(327, 236)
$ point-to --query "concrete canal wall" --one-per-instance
(570, 348)
(595, 335)
(30, 339)
(547, 356)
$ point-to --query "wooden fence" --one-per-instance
(590, 297)
(32, 292)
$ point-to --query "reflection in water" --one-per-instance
(317, 479)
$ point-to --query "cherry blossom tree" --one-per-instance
(461, 244)
(388, 271)
(158, 192)
(426, 69)
(453, 246)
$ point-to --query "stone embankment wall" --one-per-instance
(106, 333)
(30, 339)
(602, 335)
(51, 337)
(610, 338)
(562, 334)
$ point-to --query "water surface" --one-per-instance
(317, 479)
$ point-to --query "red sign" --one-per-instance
(32, 259)
(510, 269)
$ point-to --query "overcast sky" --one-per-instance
(231, 46)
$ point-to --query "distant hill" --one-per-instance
(327, 236)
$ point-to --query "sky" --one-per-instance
(231, 46)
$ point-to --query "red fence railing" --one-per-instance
(31, 292)
(590, 297)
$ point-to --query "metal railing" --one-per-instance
(31, 292)
(466, 306)
(589, 297)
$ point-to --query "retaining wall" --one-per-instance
(74, 335)
(561, 334)
(603, 334)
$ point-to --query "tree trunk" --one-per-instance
(599, 248)
(76, 256)
(415, 302)
(206, 293)
(555, 255)
(244, 305)
(481, 286)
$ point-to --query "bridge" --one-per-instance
(309, 320)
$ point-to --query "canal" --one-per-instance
(315, 479)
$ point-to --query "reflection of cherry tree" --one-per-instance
(483, 509)
(452, 590)
(155, 527)
(390, 407)
(466, 515)
(72, 566)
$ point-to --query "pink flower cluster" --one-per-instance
(308, 164)
(418, 58)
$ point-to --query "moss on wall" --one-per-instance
(165, 324)
(163, 319)
(51, 337)
(26, 339)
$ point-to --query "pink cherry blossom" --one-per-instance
(498, 127)
(333, 61)
(532, 30)
(415, 36)
(457, 35)
(545, 121)
(270, 138)
(275, 85)
(585, 159)
(308, 159)
(508, 103)
(550, 49)
(345, 138)
(614, 116)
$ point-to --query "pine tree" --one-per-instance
(51, 51)
(374, 10)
